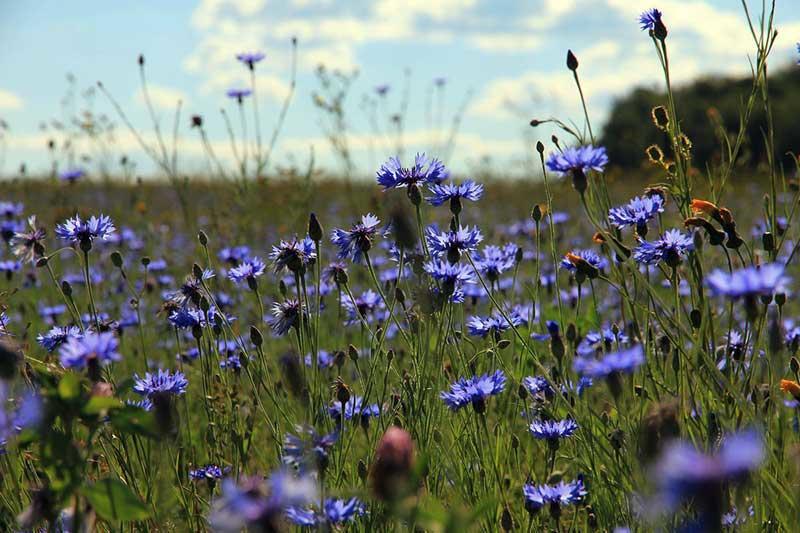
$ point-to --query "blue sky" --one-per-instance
(508, 55)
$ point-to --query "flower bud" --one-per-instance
(314, 228)
(392, 468)
(116, 259)
(572, 61)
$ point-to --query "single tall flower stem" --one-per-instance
(87, 277)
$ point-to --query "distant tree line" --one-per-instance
(705, 108)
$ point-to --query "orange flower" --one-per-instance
(792, 387)
(703, 206)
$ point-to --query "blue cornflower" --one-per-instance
(595, 341)
(259, 503)
(208, 472)
(71, 175)
(9, 267)
(582, 158)
(247, 271)
(91, 348)
(474, 390)
(57, 336)
(482, 326)
(308, 448)
(451, 244)
(84, 233)
(186, 317)
(144, 404)
(11, 209)
(162, 383)
(250, 58)
(562, 493)
(337, 511)
(748, 282)
(9, 228)
(238, 94)
(392, 175)
(449, 273)
(286, 315)
(670, 248)
(191, 289)
(684, 473)
(234, 255)
(358, 240)
(324, 359)
(232, 362)
(382, 90)
(571, 261)
(294, 255)
(492, 261)
(553, 429)
(637, 213)
(28, 413)
(368, 305)
(354, 408)
(450, 192)
(51, 312)
(28, 244)
(622, 362)
(536, 385)
(649, 19)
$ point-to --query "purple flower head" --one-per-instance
(597, 341)
(670, 248)
(99, 348)
(483, 326)
(355, 408)
(553, 429)
(234, 255)
(474, 391)
(748, 282)
(582, 158)
(286, 315)
(186, 318)
(637, 213)
(622, 362)
(358, 240)
(451, 244)
(57, 336)
(392, 175)
(162, 383)
(336, 512)
(449, 192)
(247, 271)
(560, 494)
(294, 255)
(11, 209)
(449, 273)
(307, 449)
(649, 19)
(493, 261)
(250, 58)
(368, 305)
(28, 244)
(71, 175)
(537, 385)
(208, 472)
(382, 90)
(238, 94)
(83, 232)
(591, 257)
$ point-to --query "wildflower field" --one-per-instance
(585, 350)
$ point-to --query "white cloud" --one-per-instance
(163, 97)
(10, 101)
(435, 9)
(550, 13)
(208, 12)
(506, 42)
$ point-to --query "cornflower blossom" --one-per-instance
(71, 175)
(671, 248)
(649, 19)
(335, 512)
(452, 244)
(621, 362)
(250, 58)
(452, 193)
(11, 209)
(452, 276)
(556, 496)
(259, 504)
(57, 336)
(28, 244)
(354, 408)
(748, 281)
(247, 271)
(89, 349)
(238, 94)
(392, 174)
(571, 261)
(207, 472)
(496, 324)
(307, 448)
(637, 213)
(286, 315)
(295, 255)
(492, 261)
(553, 429)
(84, 233)
(684, 473)
(356, 241)
(474, 391)
(368, 305)
(162, 383)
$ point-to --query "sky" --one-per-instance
(498, 63)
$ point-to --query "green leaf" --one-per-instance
(130, 419)
(114, 501)
(98, 404)
(69, 388)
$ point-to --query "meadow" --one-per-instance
(589, 349)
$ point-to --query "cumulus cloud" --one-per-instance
(163, 97)
(10, 101)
